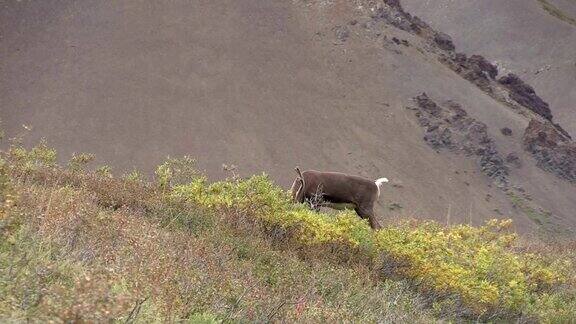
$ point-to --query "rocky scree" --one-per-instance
(557, 156)
(553, 150)
(475, 68)
(450, 127)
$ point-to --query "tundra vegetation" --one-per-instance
(81, 245)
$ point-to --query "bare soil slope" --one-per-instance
(265, 85)
(534, 38)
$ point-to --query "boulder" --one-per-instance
(478, 62)
(506, 131)
(444, 41)
(553, 151)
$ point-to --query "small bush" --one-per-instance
(40, 156)
(477, 265)
(104, 171)
(176, 171)
(7, 198)
(257, 197)
(79, 161)
(4, 182)
(133, 176)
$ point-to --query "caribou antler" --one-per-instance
(299, 194)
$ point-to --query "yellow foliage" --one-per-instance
(475, 264)
(477, 270)
(27, 160)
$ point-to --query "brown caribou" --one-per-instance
(338, 190)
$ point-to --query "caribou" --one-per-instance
(338, 190)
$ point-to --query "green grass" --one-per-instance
(556, 12)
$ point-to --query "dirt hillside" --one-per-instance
(536, 39)
(267, 85)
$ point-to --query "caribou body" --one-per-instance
(335, 190)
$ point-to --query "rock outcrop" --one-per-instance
(525, 95)
(450, 127)
(553, 151)
(475, 68)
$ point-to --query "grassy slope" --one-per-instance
(84, 246)
(68, 254)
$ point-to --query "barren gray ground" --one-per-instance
(266, 85)
(521, 36)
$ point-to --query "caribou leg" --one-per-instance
(366, 212)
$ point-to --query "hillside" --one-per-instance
(267, 85)
(467, 107)
(535, 39)
(86, 246)
(67, 255)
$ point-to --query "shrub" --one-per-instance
(7, 198)
(40, 156)
(476, 264)
(104, 171)
(79, 161)
(4, 182)
(72, 259)
(257, 197)
(175, 172)
(133, 176)
(198, 238)
(475, 267)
